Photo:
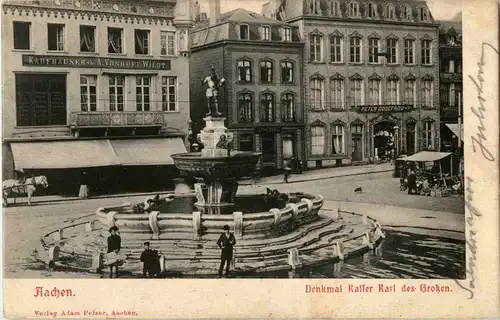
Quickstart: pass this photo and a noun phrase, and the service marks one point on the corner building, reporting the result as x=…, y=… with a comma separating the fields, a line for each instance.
x=262, y=99
x=371, y=77
x=96, y=86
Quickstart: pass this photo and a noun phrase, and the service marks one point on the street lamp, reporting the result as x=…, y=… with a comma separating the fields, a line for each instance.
x=396, y=133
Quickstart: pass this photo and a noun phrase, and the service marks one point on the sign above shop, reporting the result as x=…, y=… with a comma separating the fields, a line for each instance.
x=385, y=108
x=268, y=129
x=94, y=62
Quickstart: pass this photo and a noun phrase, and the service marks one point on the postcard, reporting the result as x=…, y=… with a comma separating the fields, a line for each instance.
x=250, y=159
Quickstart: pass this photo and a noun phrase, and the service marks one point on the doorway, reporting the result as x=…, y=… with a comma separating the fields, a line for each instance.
x=384, y=142
x=268, y=149
x=357, y=142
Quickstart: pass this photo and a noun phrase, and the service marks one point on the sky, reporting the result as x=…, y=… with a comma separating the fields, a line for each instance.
x=441, y=9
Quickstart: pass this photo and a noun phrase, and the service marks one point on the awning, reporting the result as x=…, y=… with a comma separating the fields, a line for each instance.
x=427, y=156
x=140, y=152
x=454, y=128
x=63, y=154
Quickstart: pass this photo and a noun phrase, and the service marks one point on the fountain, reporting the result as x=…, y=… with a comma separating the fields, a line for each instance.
x=274, y=231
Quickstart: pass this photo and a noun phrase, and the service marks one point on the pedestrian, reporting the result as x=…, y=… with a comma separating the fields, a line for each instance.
x=114, y=246
x=412, y=183
x=84, y=189
x=151, y=261
x=226, y=242
x=287, y=172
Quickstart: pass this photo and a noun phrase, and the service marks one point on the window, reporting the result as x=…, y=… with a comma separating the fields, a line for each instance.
x=337, y=93
x=372, y=10
x=317, y=92
x=424, y=14
x=288, y=146
x=315, y=6
x=427, y=98
x=287, y=72
x=246, y=142
x=451, y=95
x=169, y=93
x=88, y=93
x=338, y=141
x=266, y=71
x=317, y=140
x=167, y=42
x=116, y=90
x=245, y=108
x=393, y=91
x=287, y=34
x=357, y=92
x=115, y=40
x=288, y=107
x=267, y=108
x=392, y=51
x=428, y=135
x=245, y=71
x=22, y=35
x=426, y=52
x=373, y=50
x=409, y=51
x=40, y=99
x=265, y=33
x=244, y=32
x=355, y=49
x=334, y=8
x=451, y=40
x=55, y=33
x=389, y=11
x=336, y=48
x=142, y=93
x=451, y=66
x=411, y=137
x=87, y=39
x=353, y=9
x=374, y=92
x=409, y=97
x=406, y=13
x=141, y=41
x=316, y=42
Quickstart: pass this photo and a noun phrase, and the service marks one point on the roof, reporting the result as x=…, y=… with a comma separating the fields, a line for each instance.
x=447, y=26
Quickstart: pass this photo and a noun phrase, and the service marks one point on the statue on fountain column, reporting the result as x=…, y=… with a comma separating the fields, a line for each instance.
x=214, y=83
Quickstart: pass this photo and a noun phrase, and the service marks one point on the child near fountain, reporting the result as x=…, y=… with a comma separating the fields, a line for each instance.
x=226, y=242
x=151, y=263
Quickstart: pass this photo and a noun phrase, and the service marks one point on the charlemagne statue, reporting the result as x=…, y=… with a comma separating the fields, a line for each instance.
x=214, y=83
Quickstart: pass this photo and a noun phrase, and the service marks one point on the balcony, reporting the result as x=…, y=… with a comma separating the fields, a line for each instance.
x=451, y=77
x=117, y=119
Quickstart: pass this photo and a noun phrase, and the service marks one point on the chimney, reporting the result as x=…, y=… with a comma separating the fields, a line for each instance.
x=214, y=11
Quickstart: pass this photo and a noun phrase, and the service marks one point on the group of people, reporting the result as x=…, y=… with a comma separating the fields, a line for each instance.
x=151, y=258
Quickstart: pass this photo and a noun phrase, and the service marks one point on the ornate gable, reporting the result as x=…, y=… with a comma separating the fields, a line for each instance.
x=317, y=123
x=317, y=75
x=427, y=77
x=374, y=76
x=392, y=36
x=355, y=34
x=409, y=36
x=392, y=77
x=426, y=37
x=374, y=35
x=336, y=33
x=338, y=122
x=337, y=76
x=356, y=76
x=410, y=77
x=316, y=32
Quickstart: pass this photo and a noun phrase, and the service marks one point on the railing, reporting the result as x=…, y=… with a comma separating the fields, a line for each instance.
x=117, y=118
x=451, y=77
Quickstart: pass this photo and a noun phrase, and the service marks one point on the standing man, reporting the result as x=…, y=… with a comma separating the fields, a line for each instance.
x=226, y=242
x=288, y=171
x=114, y=246
x=150, y=260
x=412, y=183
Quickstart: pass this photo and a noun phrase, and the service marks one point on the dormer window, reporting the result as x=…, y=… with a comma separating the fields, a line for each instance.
x=389, y=12
x=353, y=9
x=371, y=10
x=424, y=14
x=265, y=33
x=287, y=34
x=335, y=8
x=451, y=40
x=244, y=32
x=406, y=13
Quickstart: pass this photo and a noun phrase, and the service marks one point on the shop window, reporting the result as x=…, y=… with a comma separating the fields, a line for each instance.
x=40, y=99
x=115, y=40
x=87, y=39
x=169, y=93
x=88, y=93
x=141, y=41
x=167, y=42
x=246, y=142
x=317, y=140
x=55, y=37
x=22, y=35
x=268, y=147
x=116, y=93
x=288, y=142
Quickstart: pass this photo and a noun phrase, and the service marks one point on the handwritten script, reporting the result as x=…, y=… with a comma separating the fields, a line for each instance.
x=480, y=138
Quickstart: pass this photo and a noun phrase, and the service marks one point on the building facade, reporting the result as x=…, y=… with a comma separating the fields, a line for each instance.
x=261, y=60
x=94, y=85
x=451, y=98
x=371, y=77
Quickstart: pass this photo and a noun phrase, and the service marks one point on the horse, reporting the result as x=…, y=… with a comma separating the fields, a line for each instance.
x=28, y=187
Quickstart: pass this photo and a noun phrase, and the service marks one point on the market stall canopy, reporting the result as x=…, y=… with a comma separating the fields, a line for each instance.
x=454, y=128
x=63, y=154
x=143, y=152
x=427, y=156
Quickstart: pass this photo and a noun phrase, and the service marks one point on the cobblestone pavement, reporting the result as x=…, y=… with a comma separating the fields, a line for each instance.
x=24, y=226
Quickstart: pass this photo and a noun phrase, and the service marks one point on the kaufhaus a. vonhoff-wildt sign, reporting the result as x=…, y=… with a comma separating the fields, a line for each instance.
x=95, y=62
x=384, y=108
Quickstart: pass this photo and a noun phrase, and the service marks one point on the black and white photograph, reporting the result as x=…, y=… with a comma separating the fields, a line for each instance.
x=233, y=139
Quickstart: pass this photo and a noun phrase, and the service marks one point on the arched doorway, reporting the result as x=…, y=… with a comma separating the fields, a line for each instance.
x=384, y=140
